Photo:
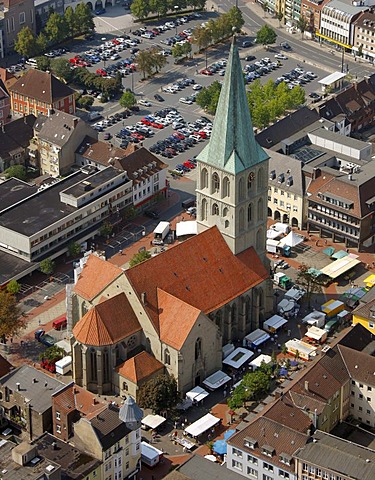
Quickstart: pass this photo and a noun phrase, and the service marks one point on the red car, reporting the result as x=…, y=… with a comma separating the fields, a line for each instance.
x=155, y=31
x=202, y=134
x=189, y=165
x=75, y=60
x=82, y=63
x=146, y=122
x=115, y=42
x=137, y=135
x=157, y=125
x=178, y=135
x=206, y=72
x=101, y=72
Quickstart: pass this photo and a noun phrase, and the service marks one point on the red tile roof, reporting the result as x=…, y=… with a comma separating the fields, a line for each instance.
x=195, y=271
x=107, y=323
x=73, y=397
x=96, y=275
x=287, y=413
x=140, y=367
x=171, y=308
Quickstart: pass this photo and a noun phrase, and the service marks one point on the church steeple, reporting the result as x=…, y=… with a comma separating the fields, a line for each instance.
x=232, y=146
x=232, y=181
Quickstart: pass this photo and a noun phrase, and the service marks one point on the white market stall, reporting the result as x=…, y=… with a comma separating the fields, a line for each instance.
x=186, y=228
x=238, y=357
x=153, y=421
x=228, y=349
x=255, y=338
x=257, y=362
x=150, y=455
x=295, y=293
x=305, y=351
x=315, y=318
x=340, y=267
x=282, y=228
x=272, y=234
x=64, y=365
x=317, y=334
x=216, y=380
x=197, y=394
x=274, y=323
x=202, y=425
x=292, y=239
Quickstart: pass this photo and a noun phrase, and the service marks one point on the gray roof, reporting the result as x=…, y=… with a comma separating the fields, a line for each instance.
x=342, y=139
x=130, y=412
x=13, y=191
x=58, y=128
x=290, y=167
x=12, y=266
x=345, y=7
x=340, y=456
x=35, y=386
x=197, y=468
x=232, y=146
x=108, y=426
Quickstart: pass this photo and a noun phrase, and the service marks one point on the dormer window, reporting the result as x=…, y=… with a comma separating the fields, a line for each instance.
x=372, y=312
x=250, y=442
x=285, y=458
x=272, y=174
x=268, y=450
x=289, y=181
x=281, y=178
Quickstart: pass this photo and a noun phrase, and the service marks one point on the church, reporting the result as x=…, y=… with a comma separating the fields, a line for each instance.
x=174, y=312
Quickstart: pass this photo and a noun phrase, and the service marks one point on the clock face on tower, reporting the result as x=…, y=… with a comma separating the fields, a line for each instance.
x=252, y=176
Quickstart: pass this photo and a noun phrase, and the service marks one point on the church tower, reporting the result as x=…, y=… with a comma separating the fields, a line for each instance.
x=233, y=170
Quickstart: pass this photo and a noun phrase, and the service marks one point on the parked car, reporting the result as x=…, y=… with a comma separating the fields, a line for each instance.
x=158, y=97
x=99, y=11
x=152, y=214
x=145, y=103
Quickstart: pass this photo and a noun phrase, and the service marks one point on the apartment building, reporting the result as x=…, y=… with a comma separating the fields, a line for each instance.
x=364, y=313
x=15, y=138
x=312, y=10
x=70, y=210
x=337, y=21
x=329, y=457
x=39, y=92
x=14, y=15
x=56, y=138
x=364, y=36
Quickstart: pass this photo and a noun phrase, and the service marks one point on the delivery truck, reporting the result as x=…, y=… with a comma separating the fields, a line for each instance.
x=64, y=365
x=160, y=233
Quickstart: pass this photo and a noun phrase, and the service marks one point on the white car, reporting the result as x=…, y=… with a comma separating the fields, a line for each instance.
x=197, y=87
x=185, y=100
x=145, y=103
x=115, y=56
x=281, y=56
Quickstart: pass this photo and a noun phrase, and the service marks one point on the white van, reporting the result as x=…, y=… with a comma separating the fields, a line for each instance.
x=32, y=62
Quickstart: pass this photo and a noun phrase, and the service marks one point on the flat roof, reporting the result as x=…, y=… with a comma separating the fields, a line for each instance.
x=95, y=180
x=340, y=139
x=339, y=267
x=12, y=267
x=13, y=191
x=333, y=77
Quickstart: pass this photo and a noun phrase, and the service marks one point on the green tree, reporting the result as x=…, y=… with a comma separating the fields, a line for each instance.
x=61, y=68
x=208, y=98
x=127, y=100
x=160, y=7
x=266, y=35
x=235, y=19
x=308, y=281
x=84, y=19
x=145, y=62
x=139, y=257
x=238, y=397
x=302, y=24
x=52, y=354
x=106, y=229
x=201, y=37
x=74, y=249
x=26, y=43
x=140, y=9
x=360, y=51
x=257, y=383
x=159, y=394
x=56, y=28
x=41, y=42
x=13, y=287
x=47, y=266
x=72, y=27
x=43, y=63
x=16, y=171
x=11, y=320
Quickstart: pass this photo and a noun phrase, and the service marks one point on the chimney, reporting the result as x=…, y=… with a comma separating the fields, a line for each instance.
x=94, y=401
x=350, y=177
x=18, y=385
x=75, y=122
x=54, y=445
x=144, y=298
x=35, y=380
x=306, y=385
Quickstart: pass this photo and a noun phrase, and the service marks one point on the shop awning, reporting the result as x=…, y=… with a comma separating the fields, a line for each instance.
x=339, y=267
x=274, y=323
x=153, y=421
x=202, y=425
x=216, y=380
x=197, y=394
x=329, y=251
x=257, y=362
x=339, y=254
x=257, y=337
x=186, y=228
x=238, y=357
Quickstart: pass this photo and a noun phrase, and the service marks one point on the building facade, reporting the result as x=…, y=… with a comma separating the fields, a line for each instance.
x=14, y=15
x=337, y=22
x=364, y=35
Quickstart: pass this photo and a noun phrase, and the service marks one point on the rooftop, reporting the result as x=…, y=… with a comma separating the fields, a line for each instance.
x=34, y=385
x=108, y=427
x=13, y=191
x=73, y=397
x=57, y=128
x=140, y=367
x=11, y=267
x=197, y=468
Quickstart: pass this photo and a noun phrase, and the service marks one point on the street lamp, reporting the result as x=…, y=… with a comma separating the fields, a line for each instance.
x=175, y=9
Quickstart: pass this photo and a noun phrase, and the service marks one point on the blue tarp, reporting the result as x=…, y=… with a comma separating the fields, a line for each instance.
x=329, y=251
x=283, y=372
x=340, y=254
x=220, y=446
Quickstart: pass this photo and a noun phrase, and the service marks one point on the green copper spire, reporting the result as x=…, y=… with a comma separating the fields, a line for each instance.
x=232, y=146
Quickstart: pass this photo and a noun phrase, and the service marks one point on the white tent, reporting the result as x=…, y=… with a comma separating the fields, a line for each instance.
x=197, y=394
x=238, y=357
x=257, y=362
x=281, y=227
x=317, y=334
x=274, y=323
x=292, y=239
x=202, y=425
x=186, y=228
x=256, y=338
x=216, y=380
x=153, y=421
x=272, y=234
x=286, y=306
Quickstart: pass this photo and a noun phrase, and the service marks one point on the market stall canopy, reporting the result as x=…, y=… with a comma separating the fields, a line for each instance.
x=274, y=323
x=216, y=380
x=238, y=357
x=228, y=349
x=202, y=425
x=305, y=350
x=295, y=293
x=153, y=421
x=317, y=334
x=329, y=251
x=339, y=254
x=369, y=281
x=186, y=228
x=339, y=267
x=272, y=234
x=292, y=239
x=286, y=306
x=256, y=338
x=197, y=394
x=257, y=362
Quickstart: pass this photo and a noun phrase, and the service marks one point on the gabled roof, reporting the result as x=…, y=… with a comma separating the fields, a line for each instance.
x=58, y=128
x=140, y=367
x=41, y=86
x=232, y=146
x=134, y=164
x=96, y=275
x=5, y=366
x=288, y=414
x=200, y=285
x=103, y=153
x=17, y=134
x=108, y=427
x=171, y=308
x=73, y=397
x=360, y=365
x=107, y=323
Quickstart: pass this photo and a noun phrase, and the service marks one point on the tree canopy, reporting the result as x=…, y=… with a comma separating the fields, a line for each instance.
x=139, y=257
x=254, y=386
x=150, y=61
x=159, y=393
x=16, y=171
x=308, y=281
x=11, y=320
x=47, y=266
x=13, y=287
x=127, y=100
x=266, y=35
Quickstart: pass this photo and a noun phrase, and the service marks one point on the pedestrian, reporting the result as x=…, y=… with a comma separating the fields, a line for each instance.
x=39, y=322
x=325, y=242
x=11, y=339
x=224, y=392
